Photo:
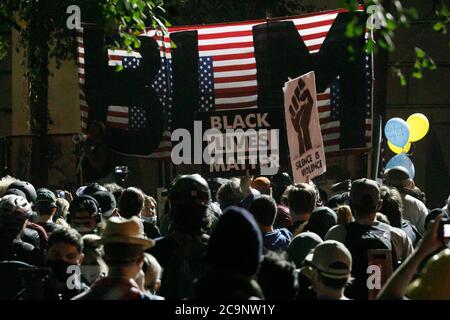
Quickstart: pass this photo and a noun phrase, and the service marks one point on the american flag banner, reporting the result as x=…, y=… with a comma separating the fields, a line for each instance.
x=123, y=58
x=127, y=118
x=228, y=73
x=227, y=63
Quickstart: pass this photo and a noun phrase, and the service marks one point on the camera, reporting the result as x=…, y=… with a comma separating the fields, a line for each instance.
x=121, y=170
x=444, y=231
x=121, y=173
x=79, y=138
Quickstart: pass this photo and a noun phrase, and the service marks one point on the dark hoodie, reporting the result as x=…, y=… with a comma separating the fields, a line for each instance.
x=321, y=220
x=234, y=256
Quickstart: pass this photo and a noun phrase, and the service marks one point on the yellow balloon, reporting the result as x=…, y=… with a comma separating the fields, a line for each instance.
x=398, y=150
x=418, y=126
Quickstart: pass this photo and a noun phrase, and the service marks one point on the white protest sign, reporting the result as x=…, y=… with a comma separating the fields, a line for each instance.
x=303, y=128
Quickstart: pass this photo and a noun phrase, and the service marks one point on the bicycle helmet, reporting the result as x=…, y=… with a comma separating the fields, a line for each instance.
x=12, y=205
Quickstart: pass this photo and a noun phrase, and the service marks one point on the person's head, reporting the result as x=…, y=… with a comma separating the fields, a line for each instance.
x=264, y=209
x=365, y=198
x=15, y=192
x=189, y=189
x=93, y=265
x=92, y=249
x=283, y=218
x=115, y=189
x=321, y=220
x=279, y=183
x=97, y=130
x=230, y=193
x=262, y=184
x=433, y=282
x=14, y=213
x=131, y=202
x=418, y=194
x=236, y=243
x=392, y=205
x=331, y=266
x=153, y=272
x=339, y=199
x=84, y=214
x=302, y=199
x=278, y=277
x=214, y=185
x=344, y=214
x=433, y=214
x=301, y=245
x=64, y=248
x=149, y=211
x=380, y=217
x=93, y=188
x=397, y=177
x=192, y=219
x=124, y=243
x=45, y=203
x=341, y=187
x=27, y=188
x=107, y=202
x=5, y=182
x=62, y=209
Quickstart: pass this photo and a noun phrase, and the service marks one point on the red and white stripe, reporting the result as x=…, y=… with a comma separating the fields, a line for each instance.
x=117, y=117
x=84, y=109
x=115, y=57
x=232, y=50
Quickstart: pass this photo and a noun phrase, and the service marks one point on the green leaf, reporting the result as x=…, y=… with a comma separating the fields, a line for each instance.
x=417, y=74
x=419, y=52
x=444, y=11
x=438, y=26
x=370, y=46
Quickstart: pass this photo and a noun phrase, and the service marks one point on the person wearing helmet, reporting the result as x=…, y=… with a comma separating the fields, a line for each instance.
x=185, y=246
x=14, y=213
x=433, y=282
x=33, y=233
x=27, y=188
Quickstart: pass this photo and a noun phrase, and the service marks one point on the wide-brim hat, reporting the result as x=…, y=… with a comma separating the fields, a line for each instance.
x=121, y=230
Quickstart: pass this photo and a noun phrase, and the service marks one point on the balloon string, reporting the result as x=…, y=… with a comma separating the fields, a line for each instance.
x=412, y=149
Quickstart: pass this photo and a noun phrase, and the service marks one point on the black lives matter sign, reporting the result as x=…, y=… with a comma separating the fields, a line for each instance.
x=241, y=140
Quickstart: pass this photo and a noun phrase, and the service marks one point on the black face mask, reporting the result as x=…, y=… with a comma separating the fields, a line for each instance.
x=59, y=269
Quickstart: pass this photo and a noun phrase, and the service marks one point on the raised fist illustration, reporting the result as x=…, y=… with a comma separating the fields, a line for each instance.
x=300, y=110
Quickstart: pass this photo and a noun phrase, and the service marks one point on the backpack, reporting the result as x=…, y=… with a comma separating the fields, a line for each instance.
x=359, y=240
x=186, y=264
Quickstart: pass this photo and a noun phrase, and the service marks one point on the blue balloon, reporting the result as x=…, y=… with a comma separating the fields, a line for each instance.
x=397, y=132
x=402, y=160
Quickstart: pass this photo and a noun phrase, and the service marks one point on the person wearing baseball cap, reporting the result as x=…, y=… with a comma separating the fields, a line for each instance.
x=262, y=184
x=46, y=208
x=329, y=268
x=366, y=233
x=106, y=201
x=124, y=243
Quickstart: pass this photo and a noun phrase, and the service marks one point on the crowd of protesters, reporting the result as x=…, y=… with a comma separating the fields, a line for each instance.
x=239, y=238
